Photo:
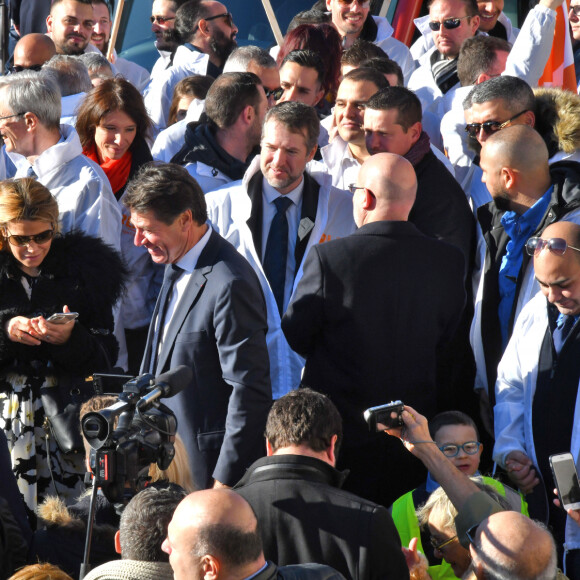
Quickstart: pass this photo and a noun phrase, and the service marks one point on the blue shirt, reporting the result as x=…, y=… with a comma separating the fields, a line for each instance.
x=519, y=228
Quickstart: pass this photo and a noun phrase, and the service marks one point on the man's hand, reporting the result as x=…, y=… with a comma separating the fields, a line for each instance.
x=416, y=562
x=521, y=472
x=415, y=433
x=574, y=514
x=552, y=4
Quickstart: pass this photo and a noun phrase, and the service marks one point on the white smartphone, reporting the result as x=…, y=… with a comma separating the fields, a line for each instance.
x=566, y=479
x=63, y=317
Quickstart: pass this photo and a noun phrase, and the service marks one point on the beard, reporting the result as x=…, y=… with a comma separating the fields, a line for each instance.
x=222, y=45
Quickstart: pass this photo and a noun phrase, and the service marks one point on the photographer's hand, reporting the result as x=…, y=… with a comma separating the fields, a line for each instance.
x=574, y=514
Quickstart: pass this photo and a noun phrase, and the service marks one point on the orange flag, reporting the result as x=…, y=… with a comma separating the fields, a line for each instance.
x=559, y=71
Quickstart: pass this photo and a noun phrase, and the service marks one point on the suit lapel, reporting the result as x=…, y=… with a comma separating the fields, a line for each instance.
x=255, y=220
x=307, y=217
x=150, y=334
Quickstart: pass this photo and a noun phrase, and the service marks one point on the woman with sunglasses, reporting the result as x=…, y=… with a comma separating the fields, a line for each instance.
x=42, y=274
x=113, y=126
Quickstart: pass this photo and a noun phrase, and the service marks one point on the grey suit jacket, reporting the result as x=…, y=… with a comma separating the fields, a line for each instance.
x=219, y=331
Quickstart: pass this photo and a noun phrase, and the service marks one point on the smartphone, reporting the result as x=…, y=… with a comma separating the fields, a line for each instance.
x=566, y=479
x=63, y=317
x=379, y=418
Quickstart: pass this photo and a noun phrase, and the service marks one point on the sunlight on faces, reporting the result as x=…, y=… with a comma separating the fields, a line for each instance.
x=458, y=435
x=491, y=175
x=349, y=109
x=453, y=553
x=489, y=11
x=102, y=27
x=348, y=19
x=114, y=135
x=32, y=254
x=163, y=9
x=448, y=42
x=574, y=21
x=283, y=156
x=384, y=135
x=300, y=84
x=494, y=110
x=12, y=129
x=71, y=26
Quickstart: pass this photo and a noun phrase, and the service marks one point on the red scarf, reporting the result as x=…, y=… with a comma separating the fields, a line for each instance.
x=117, y=170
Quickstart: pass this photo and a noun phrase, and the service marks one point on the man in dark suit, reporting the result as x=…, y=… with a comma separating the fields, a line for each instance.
x=295, y=493
x=211, y=317
x=369, y=315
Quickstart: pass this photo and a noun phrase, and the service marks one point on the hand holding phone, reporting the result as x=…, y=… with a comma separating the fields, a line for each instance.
x=62, y=317
x=566, y=479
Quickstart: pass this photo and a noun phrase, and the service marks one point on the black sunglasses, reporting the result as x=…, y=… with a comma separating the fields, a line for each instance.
x=16, y=68
x=227, y=15
x=557, y=246
x=276, y=93
x=41, y=238
x=489, y=127
x=448, y=23
x=161, y=19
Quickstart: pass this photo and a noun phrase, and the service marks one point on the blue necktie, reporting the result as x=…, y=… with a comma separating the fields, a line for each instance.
x=172, y=273
x=564, y=326
x=276, y=253
x=31, y=173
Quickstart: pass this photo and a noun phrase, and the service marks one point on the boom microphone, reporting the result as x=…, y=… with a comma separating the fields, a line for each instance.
x=167, y=385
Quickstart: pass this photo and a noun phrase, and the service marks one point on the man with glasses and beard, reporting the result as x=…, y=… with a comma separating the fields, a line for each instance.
x=528, y=195
x=538, y=381
x=206, y=34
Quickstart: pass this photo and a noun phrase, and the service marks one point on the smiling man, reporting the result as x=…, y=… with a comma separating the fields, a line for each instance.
x=70, y=25
x=211, y=317
x=528, y=399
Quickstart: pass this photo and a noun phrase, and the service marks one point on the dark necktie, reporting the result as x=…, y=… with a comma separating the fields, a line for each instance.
x=172, y=273
x=562, y=331
x=276, y=253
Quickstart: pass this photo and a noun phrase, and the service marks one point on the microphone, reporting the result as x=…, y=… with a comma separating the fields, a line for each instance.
x=167, y=385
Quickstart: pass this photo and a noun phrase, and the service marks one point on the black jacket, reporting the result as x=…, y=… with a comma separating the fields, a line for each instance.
x=565, y=198
x=305, y=517
x=306, y=572
x=72, y=273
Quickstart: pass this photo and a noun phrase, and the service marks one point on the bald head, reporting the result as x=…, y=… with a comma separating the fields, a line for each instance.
x=33, y=50
x=509, y=544
x=390, y=186
x=216, y=529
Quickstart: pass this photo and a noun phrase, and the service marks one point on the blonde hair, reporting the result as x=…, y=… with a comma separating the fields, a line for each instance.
x=178, y=470
x=25, y=199
x=40, y=572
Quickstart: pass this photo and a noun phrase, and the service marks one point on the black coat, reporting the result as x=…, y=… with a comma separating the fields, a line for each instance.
x=81, y=272
x=305, y=517
x=369, y=315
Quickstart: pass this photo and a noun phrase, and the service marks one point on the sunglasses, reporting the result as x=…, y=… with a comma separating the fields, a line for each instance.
x=448, y=23
x=161, y=19
x=276, y=93
x=16, y=68
x=363, y=4
x=576, y=10
x=440, y=545
x=557, y=246
x=41, y=238
x=227, y=15
x=452, y=450
x=489, y=127
x=353, y=187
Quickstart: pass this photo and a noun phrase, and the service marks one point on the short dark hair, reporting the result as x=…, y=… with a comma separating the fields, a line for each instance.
x=360, y=51
x=296, y=117
x=116, y=94
x=167, y=190
x=311, y=16
x=367, y=74
x=478, y=55
x=144, y=522
x=57, y=2
x=304, y=417
x=306, y=58
x=515, y=92
x=471, y=8
x=230, y=544
x=104, y=3
x=451, y=418
x=385, y=66
x=187, y=18
x=403, y=100
x=229, y=95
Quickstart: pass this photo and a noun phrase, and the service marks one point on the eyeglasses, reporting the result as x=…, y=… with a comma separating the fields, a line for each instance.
x=576, y=10
x=10, y=116
x=557, y=246
x=16, y=68
x=440, y=546
x=227, y=15
x=363, y=3
x=161, y=19
x=41, y=238
x=448, y=23
x=276, y=93
x=489, y=127
x=452, y=450
x=353, y=187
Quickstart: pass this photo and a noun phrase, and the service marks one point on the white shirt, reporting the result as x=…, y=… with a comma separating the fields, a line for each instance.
x=269, y=195
x=187, y=263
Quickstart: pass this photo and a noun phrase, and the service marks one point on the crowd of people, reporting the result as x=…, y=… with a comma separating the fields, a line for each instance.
x=311, y=231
